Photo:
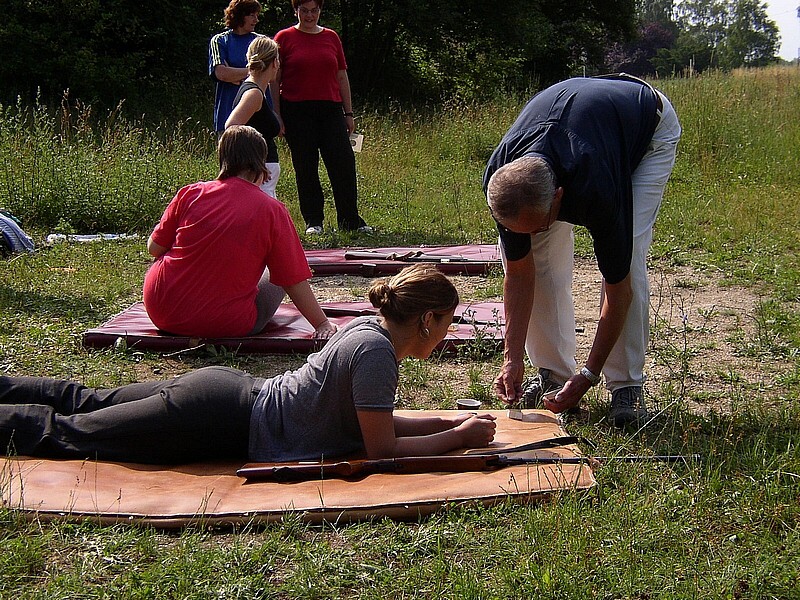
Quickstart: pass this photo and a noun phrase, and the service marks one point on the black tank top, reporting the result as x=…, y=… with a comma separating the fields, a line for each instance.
x=264, y=120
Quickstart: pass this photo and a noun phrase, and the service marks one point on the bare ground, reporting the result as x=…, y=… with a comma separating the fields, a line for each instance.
x=705, y=338
x=707, y=344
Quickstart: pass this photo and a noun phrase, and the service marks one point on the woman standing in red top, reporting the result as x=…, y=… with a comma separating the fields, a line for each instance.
x=312, y=96
x=226, y=252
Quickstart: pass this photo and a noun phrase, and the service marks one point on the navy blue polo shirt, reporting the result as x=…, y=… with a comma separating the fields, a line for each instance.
x=593, y=132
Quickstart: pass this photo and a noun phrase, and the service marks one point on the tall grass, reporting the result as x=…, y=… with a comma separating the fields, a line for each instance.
x=732, y=196
x=75, y=172
x=739, y=127
x=421, y=170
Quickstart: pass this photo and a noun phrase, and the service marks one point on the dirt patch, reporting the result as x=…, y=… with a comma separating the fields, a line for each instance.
x=705, y=343
x=704, y=336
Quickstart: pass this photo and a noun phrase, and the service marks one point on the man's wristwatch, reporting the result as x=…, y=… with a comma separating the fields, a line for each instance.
x=593, y=379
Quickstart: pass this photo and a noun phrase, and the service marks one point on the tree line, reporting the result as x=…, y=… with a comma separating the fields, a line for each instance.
x=695, y=35
x=104, y=51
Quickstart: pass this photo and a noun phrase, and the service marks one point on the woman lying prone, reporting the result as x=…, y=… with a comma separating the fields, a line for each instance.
x=339, y=402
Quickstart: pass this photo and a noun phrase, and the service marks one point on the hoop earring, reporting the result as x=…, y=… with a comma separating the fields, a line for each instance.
x=425, y=333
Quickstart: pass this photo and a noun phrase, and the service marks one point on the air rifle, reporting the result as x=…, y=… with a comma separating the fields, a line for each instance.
x=458, y=318
x=347, y=469
x=411, y=256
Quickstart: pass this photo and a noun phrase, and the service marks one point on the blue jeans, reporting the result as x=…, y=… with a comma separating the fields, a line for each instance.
x=202, y=415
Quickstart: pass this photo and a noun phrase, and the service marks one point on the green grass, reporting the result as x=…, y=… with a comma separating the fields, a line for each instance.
x=732, y=197
x=726, y=528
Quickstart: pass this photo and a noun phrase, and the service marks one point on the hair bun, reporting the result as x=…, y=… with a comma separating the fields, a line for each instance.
x=386, y=291
x=380, y=294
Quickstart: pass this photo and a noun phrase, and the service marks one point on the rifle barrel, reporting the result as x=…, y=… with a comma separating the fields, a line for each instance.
x=403, y=465
x=430, y=464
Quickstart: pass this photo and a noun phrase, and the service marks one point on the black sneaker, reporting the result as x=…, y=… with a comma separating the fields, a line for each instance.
x=627, y=406
x=534, y=389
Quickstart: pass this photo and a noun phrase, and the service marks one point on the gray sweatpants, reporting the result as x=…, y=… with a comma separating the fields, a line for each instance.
x=202, y=415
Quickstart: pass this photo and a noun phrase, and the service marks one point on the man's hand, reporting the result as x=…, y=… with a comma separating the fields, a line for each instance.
x=518, y=285
x=569, y=395
x=508, y=384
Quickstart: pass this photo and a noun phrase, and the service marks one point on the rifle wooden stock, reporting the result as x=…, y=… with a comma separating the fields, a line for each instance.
x=303, y=471
x=298, y=471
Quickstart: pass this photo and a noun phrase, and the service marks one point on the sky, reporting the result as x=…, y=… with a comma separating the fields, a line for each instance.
x=784, y=13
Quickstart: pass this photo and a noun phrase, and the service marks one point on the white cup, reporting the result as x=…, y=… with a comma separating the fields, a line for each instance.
x=356, y=140
x=468, y=404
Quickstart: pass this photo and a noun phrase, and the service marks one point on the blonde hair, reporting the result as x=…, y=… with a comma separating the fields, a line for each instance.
x=412, y=292
x=261, y=53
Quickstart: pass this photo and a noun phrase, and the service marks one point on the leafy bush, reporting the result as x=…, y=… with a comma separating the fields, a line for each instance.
x=152, y=56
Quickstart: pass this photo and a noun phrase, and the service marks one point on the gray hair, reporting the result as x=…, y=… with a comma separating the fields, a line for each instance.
x=526, y=182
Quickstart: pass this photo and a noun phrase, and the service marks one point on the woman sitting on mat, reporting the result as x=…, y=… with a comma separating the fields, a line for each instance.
x=226, y=253
x=339, y=402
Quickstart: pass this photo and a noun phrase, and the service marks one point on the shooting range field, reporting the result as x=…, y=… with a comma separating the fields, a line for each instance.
x=723, y=368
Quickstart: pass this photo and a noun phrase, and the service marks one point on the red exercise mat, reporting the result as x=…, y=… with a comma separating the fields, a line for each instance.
x=287, y=332
x=475, y=259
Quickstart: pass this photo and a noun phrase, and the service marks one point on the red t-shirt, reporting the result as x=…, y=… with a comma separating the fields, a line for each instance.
x=310, y=63
x=221, y=235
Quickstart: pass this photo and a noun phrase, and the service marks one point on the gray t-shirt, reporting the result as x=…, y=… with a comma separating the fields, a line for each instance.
x=310, y=413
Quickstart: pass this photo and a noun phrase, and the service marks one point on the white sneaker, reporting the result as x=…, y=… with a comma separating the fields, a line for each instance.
x=314, y=230
x=365, y=229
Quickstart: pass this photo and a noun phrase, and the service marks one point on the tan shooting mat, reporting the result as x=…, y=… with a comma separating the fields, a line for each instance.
x=211, y=493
